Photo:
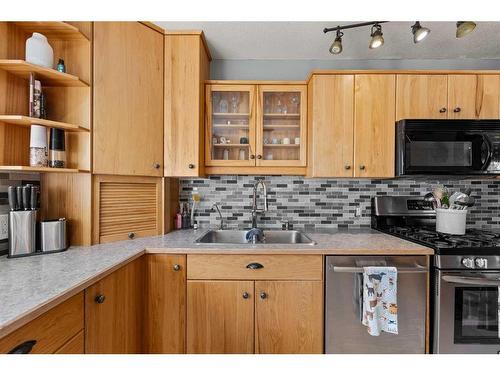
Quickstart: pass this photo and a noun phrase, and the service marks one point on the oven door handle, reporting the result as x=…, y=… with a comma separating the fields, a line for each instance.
x=416, y=269
x=467, y=280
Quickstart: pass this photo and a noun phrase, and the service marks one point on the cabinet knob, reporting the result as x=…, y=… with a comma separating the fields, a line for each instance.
x=456, y=110
x=156, y=166
x=246, y=295
x=263, y=295
x=177, y=267
x=362, y=167
x=254, y=266
x=131, y=235
x=100, y=298
x=252, y=156
x=347, y=167
x=259, y=156
x=23, y=348
x=191, y=166
x=442, y=110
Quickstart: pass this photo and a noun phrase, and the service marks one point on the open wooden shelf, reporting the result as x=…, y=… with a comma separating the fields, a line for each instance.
x=53, y=30
x=21, y=120
x=24, y=168
x=49, y=77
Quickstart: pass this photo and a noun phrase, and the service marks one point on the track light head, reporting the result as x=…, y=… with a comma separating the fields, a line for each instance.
x=419, y=32
x=377, y=38
x=464, y=28
x=336, y=47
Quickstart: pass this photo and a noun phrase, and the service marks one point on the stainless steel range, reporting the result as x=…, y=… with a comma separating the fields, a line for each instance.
x=466, y=275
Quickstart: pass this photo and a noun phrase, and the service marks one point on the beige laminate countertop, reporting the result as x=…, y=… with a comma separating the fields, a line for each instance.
x=31, y=286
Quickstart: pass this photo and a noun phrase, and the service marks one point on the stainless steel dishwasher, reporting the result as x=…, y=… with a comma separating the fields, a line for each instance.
x=344, y=332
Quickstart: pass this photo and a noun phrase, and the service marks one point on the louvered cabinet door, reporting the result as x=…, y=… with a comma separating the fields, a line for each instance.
x=126, y=207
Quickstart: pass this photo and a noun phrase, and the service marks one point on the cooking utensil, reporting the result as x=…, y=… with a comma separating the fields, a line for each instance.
x=26, y=191
x=34, y=197
x=429, y=197
x=19, y=197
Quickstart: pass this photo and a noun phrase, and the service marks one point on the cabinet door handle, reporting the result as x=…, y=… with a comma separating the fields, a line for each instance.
x=362, y=167
x=191, y=166
x=263, y=295
x=456, y=110
x=442, y=110
x=156, y=166
x=131, y=235
x=177, y=267
x=347, y=167
x=252, y=156
x=100, y=298
x=246, y=295
x=254, y=266
x=259, y=156
x=24, y=348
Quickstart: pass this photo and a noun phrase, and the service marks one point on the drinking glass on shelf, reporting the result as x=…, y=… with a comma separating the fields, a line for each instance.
x=294, y=100
x=279, y=103
x=268, y=104
x=235, y=102
x=223, y=106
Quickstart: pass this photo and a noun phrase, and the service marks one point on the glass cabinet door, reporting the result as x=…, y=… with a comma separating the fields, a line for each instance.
x=230, y=125
x=281, y=128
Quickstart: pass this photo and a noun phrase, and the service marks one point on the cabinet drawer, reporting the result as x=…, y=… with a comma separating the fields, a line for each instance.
x=74, y=346
x=126, y=207
x=50, y=330
x=255, y=267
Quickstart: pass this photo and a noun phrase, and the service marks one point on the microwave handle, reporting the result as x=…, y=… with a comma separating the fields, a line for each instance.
x=489, y=151
x=467, y=280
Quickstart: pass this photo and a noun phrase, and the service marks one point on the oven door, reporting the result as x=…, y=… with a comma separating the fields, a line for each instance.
x=467, y=312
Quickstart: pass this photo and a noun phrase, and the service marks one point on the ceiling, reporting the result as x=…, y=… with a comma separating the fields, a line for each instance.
x=306, y=41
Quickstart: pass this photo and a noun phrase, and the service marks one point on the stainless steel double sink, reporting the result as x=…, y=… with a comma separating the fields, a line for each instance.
x=270, y=237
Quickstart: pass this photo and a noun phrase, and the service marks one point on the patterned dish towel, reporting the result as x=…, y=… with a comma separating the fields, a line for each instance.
x=380, y=308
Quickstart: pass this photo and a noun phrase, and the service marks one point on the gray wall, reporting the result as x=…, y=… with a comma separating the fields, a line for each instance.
x=299, y=69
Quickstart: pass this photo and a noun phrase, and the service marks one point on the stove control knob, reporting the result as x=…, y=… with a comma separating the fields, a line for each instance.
x=468, y=262
x=481, y=262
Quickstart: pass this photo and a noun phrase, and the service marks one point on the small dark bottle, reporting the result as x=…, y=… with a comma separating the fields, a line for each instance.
x=57, y=149
x=61, y=67
x=186, y=220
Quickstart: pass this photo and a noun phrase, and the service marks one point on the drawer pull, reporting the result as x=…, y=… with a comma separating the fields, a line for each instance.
x=456, y=110
x=246, y=295
x=263, y=295
x=24, y=348
x=100, y=298
x=255, y=266
x=442, y=110
x=177, y=267
x=131, y=235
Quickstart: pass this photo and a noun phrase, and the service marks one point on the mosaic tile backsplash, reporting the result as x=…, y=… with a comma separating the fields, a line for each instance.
x=325, y=203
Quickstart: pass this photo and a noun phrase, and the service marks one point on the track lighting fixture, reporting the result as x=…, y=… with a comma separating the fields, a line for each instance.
x=336, y=46
x=377, y=39
x=464, y=28
x=419, y=32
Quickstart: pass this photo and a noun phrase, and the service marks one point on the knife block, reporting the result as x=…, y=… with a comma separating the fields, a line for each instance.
x=22, y=233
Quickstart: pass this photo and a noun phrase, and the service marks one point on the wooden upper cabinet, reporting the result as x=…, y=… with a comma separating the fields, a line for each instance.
x=374, y=125
x=230, y=125
x=289, y=317
x=113, y=312
x=473, y=96
x=128, y=99
x=330, y=126
x=421, y=96
x=281, y=126
x=220, y=317
x=187, y=66
x=165, y=320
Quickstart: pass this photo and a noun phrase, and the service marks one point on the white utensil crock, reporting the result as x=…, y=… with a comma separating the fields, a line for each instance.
x=451, y=221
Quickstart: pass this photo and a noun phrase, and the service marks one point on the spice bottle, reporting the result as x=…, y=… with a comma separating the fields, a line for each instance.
x=57, y=149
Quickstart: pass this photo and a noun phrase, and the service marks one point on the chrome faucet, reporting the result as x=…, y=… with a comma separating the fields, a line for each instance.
x=215, y=207
x=256, y=210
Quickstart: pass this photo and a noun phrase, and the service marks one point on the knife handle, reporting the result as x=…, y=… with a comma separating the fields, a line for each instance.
x=12, y=198
x=26, y=197
x=19, y=197
x=35, y=193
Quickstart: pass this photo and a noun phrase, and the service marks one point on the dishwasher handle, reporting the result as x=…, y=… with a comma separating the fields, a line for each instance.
x=416, y=269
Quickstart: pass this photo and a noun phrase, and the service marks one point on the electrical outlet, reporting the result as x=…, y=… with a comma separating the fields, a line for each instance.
x=4, y=225
x=358, y=212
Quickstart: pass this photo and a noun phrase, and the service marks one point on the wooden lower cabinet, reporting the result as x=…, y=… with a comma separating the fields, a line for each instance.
x=114, y=312
x=289, y=317
x=220, y=317
x=76, y=345
x=48, y=333
x=165, y=308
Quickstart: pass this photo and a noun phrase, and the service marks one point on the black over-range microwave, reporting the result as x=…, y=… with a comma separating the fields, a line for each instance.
x=450, y=147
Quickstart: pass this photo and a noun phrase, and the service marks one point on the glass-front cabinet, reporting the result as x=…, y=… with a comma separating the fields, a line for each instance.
x=256, y=125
